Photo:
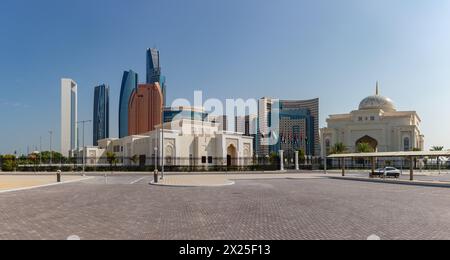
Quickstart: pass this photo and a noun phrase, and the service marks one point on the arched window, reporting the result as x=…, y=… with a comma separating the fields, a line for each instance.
x=406, y=144
x=327, y=145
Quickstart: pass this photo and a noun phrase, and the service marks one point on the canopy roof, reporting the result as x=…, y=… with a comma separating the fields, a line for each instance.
x=391, y=154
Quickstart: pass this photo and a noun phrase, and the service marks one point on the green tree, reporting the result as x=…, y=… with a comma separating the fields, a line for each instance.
x=9, y=163
x=364, y=148
x=274, y=158
x=301, y=155
x=437, y=149
x=134, y=159
x=111, y=158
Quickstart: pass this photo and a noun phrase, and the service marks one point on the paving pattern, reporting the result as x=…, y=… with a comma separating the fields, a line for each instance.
x=130, y=208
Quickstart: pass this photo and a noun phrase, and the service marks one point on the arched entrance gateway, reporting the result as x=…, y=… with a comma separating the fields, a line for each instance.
x=231, y=156
x=368, y=140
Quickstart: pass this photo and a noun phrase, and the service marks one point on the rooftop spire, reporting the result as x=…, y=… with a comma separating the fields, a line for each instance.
x=377, y=90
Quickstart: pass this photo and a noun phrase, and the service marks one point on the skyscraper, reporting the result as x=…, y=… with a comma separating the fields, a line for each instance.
x=154, y=71
x=129, y=84
x=101, y=113
x=153, y=66
x=298, y=127
x=145, y=109
x=69, y=116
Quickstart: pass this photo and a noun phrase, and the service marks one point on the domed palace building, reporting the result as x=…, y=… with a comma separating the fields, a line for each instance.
x=377, y=123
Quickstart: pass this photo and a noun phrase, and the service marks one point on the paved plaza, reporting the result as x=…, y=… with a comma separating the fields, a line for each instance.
x=127, y=207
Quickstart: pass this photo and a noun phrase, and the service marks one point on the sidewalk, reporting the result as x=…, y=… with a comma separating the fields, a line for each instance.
x=225, y=180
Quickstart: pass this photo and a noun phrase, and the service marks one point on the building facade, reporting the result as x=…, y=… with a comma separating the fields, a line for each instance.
x=377, y=123
x=298, y=127
x=101, y=113
x=191, y=113
x=186, y=143
x=145, y=109
x=69, y=116
x=129, y=84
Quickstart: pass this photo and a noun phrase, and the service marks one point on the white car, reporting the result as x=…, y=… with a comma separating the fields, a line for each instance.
x=387, y=172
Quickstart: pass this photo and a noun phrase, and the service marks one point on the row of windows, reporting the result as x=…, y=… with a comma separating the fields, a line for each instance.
x=372, y=118
x=210, y=159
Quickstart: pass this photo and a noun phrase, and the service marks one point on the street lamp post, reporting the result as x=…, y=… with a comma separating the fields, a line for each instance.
x=51, y=150
x=84, y=147
x=40, y=151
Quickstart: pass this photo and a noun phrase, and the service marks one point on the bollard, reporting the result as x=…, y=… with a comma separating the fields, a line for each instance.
x=155, y=176
x=58, y=176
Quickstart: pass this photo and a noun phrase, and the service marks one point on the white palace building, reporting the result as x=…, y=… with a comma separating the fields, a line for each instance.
x=376, y=122
x=186, y=143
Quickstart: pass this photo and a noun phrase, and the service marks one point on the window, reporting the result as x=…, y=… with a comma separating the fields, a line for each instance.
x=406, y=144
x=372, y=118
x=210, y=160
x=360, y=119
x=204, y=159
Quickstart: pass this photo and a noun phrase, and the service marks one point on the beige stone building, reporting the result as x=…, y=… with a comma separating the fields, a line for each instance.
x=186, y=143
x=376, y=122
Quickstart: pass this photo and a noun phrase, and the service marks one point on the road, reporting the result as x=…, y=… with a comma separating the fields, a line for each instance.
x=129, y=208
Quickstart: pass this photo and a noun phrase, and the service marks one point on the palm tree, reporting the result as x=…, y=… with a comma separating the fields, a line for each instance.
x=339, y=148
x=364, y=148
x=112, y=159
x=438, y=149
x=134, y=159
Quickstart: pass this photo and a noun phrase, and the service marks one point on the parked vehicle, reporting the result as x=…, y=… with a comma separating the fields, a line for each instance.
x=387, y=172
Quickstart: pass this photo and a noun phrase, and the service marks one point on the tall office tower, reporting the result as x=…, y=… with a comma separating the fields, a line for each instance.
x=298, y=127
x=300, y=116
x=145, y=109
x=154, y=71
x=163, y=89
x=129, y=84
x=101, y=113
x=153, y=66
x=69, y=116
x=246, y=125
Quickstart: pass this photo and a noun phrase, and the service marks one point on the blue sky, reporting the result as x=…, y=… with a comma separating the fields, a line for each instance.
x=293, y=49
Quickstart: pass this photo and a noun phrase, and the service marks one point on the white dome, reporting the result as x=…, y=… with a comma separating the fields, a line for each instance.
x=377, y=102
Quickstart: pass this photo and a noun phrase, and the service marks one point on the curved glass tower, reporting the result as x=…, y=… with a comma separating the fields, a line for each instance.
x=129, y=83
x=153, y=66
x=101, y=113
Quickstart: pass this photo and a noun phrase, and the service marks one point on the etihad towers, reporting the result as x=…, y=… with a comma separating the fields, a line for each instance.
x=129, y=84
x=154, y=71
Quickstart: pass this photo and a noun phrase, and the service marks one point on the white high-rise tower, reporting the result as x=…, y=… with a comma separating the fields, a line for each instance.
x=69, y=116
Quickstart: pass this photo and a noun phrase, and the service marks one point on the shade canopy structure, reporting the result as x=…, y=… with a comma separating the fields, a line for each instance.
x=374, y=156
x=391, y=154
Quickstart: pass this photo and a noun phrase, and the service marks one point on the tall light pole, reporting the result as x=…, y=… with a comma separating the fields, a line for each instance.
x=40, y=150
x=162, y=142
x=84, y=147
x=51, y=150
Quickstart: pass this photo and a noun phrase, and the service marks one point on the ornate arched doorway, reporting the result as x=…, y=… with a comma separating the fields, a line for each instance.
x=231, y=156
x=368, y=140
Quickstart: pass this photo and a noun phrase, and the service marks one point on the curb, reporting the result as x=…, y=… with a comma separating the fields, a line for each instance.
x=230, y=183
x=398, y=182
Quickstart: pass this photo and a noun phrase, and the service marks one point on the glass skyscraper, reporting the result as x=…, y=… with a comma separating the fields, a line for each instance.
x=129, y=84
x=153, y=66
x=101, y=113
x=154, y=71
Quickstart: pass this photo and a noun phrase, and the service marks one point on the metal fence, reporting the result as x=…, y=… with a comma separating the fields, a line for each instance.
x=141, y=163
